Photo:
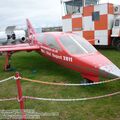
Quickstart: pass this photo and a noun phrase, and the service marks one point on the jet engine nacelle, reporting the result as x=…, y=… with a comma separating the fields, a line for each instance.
x=3, y=38
x=19, y=35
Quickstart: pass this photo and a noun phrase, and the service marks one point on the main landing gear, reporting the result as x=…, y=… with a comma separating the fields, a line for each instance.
x=7, y=66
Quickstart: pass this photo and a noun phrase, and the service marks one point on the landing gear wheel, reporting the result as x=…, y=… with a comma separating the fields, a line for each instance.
x=8, y=67
x=87, y=81
x=115, y=42
x=118, y=46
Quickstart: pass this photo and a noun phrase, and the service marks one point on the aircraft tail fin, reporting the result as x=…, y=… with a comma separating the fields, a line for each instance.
x=31, y=33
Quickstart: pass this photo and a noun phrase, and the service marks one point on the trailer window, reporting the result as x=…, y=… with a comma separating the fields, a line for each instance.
x=76, y=45
x=95, y=16
x=117, y=22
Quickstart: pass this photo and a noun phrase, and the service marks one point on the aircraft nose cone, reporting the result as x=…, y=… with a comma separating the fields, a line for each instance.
x=110, y=70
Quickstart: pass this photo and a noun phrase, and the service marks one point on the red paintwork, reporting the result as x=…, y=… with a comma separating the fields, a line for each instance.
x=87, y=64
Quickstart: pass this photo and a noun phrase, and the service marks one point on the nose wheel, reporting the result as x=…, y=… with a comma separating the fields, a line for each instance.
x=86, y=81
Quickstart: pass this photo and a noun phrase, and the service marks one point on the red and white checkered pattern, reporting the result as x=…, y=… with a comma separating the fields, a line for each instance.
x=99, y=31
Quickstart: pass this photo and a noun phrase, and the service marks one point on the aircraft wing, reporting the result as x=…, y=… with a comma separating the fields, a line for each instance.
x=19, y=47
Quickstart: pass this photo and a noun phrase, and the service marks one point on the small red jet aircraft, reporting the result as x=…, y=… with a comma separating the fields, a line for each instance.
x=68, y=50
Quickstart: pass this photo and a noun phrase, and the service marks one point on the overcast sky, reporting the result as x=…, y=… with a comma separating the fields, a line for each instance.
x=40, y=12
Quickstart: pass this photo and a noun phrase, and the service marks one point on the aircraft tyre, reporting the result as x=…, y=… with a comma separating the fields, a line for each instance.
x=87, y=81
x=118, y=46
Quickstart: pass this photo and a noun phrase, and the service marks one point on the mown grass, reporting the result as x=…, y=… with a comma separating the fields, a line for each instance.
x=32, y=65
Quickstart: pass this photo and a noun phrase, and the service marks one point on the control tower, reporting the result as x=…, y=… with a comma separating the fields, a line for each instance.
x=96, y=21
x=73, y=6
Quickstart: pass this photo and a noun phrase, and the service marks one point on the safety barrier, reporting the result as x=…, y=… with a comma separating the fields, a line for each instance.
x=4, y=80
x=8, y=99
x=21, y=98
x=63, y=84
x=71, y=100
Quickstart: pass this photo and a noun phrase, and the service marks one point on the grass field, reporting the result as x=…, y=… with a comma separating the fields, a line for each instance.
x=32, y=65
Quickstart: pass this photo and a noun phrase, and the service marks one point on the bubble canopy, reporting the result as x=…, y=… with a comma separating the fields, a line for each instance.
x=76, y=45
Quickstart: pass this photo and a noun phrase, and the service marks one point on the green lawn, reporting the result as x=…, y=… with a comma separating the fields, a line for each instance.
x=32, y=65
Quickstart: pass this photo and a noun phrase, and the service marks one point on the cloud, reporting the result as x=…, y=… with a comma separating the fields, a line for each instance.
x=40, y=12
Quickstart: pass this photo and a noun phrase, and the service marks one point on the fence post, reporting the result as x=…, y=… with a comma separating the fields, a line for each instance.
x=21, y=100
